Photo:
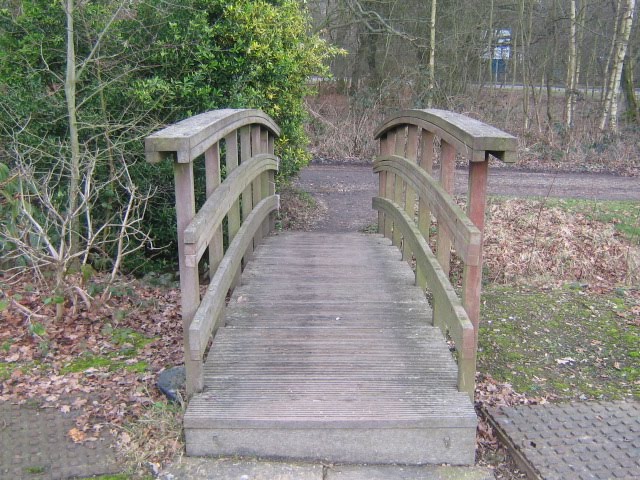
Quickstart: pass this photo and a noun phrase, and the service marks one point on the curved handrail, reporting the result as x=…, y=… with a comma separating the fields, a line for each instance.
x=452, y=316
x=470, y=136
x=201, y=229
x=205, y=318
x=246, y=138
x=193, y=136
x=407, y=154
x=466, y=236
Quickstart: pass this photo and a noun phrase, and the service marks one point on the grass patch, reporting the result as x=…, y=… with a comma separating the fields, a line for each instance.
x=108, y=362
x=129, y=342
x=35, y=470
x=563, y=343
x=623, y=215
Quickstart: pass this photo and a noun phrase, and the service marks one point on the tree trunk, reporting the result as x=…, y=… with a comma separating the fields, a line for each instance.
x=73, y=219
x=609, y=117
x=570, y=83
x=629, y=91
x=432, y=54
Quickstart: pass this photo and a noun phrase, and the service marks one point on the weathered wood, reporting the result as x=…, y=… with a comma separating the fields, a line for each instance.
x=398, y=189
x=233, y=215
x=320, y=363
x=447, y=181
x=191, y=137
x=466, y=237
x=256, y=185
x=471, y=137
x=391, y=182
x=424, y=212
x=454, y=319
x=212, y=172
x=189, y=281
x=382, y=185
x=201, y=229
x=476, y=204
x=206, y=318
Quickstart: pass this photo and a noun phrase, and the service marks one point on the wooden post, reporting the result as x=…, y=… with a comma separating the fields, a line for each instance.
x=398, y=189
x=189, y=282
x=256, y=185
x=443, y=246
x=264, y=179
x=391, y=183
x=410, y=195
x=424, y=214
x=247, y=195
x=212, y=172
x=382, y=183
x=233, y=217
x=476, y=205
x=271, y=177
x=447, y=180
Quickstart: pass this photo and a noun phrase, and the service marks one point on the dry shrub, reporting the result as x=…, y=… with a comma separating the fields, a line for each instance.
x=529, y=242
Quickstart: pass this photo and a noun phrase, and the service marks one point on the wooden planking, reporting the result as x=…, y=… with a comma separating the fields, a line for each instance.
x=321, y=338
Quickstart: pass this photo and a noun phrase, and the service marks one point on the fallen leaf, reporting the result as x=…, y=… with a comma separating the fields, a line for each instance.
x=76, y=435
x=65, y=409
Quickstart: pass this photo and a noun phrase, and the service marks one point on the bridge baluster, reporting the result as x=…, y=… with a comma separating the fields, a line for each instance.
x=250, y=170
x=405, y=170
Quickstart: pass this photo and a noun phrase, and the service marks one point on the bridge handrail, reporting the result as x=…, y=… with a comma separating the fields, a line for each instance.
x=246, y=197
x=405, y=166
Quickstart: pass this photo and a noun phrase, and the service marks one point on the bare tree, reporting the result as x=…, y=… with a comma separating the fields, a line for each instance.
x=609, y=118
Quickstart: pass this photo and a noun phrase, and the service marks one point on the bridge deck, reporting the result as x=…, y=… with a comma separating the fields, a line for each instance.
x=328, y=353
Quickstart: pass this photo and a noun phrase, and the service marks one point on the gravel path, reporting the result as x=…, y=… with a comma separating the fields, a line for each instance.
x=346, y=190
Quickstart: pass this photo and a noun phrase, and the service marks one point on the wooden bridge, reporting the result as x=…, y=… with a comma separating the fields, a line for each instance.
x=348, y=348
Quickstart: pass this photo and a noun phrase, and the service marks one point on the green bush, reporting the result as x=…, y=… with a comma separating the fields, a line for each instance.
x=158, y=62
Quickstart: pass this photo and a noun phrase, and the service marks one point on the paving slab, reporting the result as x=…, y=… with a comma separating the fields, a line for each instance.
x=34, y=444
x=585, y=440
x=393, y=472
x=188, y=468
x=240, y=469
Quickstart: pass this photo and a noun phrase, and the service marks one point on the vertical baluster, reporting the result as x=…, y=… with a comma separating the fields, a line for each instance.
x=410, y=194
x=212, y=173
x=233, y=216
x=382, y=184
x=391, y=184
x=447, y=172
x=472, y=276
x=398, y=189
x=189, y=282
x=264, y=178
x=247, y=195
x=447, y=179
x=256, y=185
x=271, y=177
x=424, y=213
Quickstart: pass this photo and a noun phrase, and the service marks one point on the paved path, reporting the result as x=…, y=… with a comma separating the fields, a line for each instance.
x=346, y=190
x=34, y=443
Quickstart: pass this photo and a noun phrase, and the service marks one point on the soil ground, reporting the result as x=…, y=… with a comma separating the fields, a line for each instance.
x=346, y=189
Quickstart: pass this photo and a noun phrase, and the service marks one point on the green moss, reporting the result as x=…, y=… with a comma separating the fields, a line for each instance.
x=108, y=362
x=562, y=342
x=36, y=470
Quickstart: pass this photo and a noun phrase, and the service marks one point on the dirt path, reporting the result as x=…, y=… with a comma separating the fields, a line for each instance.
x=346, y=190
